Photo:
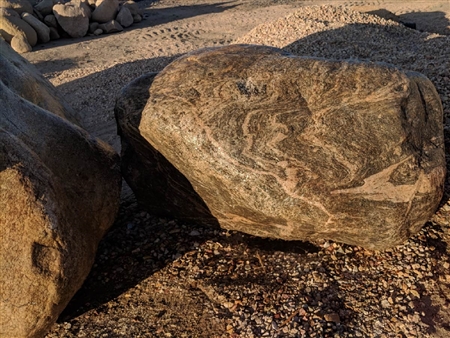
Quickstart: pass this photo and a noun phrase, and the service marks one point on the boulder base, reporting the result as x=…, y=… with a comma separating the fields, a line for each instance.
x=297, y=148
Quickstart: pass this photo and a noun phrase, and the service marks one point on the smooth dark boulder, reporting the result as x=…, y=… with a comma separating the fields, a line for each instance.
x=157, y=184
x=298, y=148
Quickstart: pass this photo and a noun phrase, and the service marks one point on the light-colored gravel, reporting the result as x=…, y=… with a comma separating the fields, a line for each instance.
x=341, y=33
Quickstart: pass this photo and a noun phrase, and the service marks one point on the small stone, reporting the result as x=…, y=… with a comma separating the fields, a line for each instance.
x=93, y=26
x=50, y=21
x=274, y=325
x=332, y=317
x=414, y=293
x=105, y=10
x=20, y=44
x=137, y=18
x=111, y=27
x=124, y=17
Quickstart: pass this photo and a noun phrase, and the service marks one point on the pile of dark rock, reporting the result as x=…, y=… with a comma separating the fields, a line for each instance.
x=23, y=24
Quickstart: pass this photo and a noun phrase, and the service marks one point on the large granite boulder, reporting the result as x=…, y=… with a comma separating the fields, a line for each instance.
x=11, y=25
x=59, y=193
x=25, y=80
x=73, y=17
x=20, y=44
x=124, y=17
x=42, y=30
x=293, y=148
x=105, y=10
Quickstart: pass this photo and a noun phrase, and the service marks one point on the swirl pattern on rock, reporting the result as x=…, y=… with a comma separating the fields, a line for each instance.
x=301, y=148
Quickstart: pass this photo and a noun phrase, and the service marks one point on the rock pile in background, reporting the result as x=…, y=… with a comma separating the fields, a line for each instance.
x=24, y=25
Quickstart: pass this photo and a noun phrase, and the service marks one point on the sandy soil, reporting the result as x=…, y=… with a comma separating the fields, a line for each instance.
x=90, y=72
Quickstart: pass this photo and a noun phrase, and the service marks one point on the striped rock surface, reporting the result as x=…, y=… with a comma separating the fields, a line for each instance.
x=300, y=148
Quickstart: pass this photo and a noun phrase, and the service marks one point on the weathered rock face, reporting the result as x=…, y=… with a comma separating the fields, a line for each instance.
x=73, y=18
x=297, y=148
x=26, y=81
x=59, y=193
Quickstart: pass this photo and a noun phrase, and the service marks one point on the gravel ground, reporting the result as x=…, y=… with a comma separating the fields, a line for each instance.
x=163, y=278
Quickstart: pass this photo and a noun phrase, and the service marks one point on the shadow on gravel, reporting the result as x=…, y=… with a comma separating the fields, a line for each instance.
x=271, y=245
x=433, y=22
x=159, y=16
x=56, y=65
x=139, y=245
